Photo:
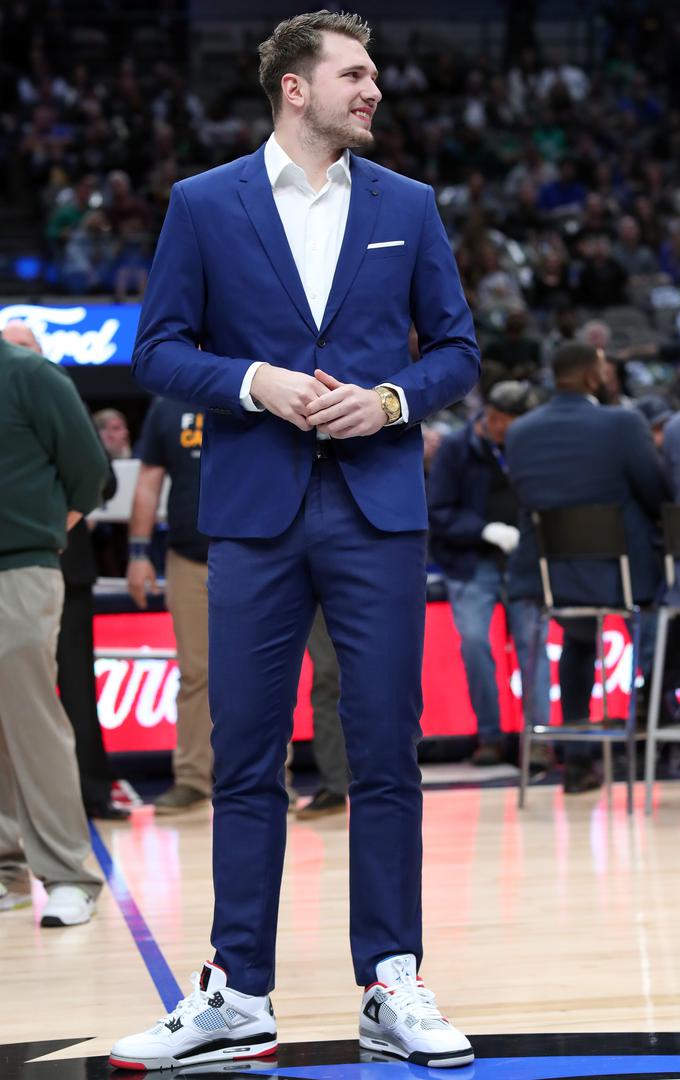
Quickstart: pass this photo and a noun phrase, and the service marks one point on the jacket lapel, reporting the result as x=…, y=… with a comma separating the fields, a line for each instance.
x=256, y=195
x=364, y=204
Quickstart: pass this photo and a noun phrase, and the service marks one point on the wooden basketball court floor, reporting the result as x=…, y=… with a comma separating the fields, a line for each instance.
x=552, y=938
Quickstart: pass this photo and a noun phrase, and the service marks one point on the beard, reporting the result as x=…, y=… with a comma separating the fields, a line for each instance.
x=334, y=131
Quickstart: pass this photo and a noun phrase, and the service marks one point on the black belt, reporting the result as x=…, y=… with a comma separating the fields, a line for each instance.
x=324, y=450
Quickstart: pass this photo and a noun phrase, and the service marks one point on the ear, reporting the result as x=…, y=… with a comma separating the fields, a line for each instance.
x=294, y=90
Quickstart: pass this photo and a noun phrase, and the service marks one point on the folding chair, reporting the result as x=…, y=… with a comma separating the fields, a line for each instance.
x=574, y=534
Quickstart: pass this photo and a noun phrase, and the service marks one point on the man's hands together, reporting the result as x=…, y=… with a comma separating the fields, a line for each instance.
x=341, y=410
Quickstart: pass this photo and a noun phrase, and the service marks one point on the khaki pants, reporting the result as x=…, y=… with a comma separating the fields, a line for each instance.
x=42, y=821
x=187, y=600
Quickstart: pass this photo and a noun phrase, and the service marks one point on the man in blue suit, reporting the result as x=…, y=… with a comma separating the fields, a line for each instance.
x=573, y=451
x=297, y=272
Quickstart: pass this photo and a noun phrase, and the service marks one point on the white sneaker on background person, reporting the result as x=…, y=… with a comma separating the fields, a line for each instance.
x=10, y=901
x=67, y=905
x=214, y=1023
x=399, y=1017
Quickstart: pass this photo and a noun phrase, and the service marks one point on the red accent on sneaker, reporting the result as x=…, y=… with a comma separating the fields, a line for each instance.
x=210, y=964
x=371, y=985
x=264, y=1054
x=127, y=1064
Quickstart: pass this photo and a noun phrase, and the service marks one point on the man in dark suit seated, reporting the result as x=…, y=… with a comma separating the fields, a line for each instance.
x=572, y=451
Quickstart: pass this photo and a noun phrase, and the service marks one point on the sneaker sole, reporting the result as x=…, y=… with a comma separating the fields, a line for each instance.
x=51, y=921
x=232, y=1053
x=445, y=1060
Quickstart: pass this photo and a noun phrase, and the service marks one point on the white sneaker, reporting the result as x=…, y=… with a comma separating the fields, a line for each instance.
x=9, y=900
x=214, y=1023
x=67, y=905
x=399, y=1017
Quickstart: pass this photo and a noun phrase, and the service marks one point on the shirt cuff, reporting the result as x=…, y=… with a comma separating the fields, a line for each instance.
x=244, y=396
x=403, y=419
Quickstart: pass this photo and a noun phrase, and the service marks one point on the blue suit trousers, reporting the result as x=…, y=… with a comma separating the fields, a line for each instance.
x=263, y=596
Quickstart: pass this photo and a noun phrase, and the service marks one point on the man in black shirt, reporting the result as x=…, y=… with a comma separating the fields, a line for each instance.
x=171, y=444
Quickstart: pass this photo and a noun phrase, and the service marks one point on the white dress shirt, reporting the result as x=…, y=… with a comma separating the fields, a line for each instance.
x=314, y=223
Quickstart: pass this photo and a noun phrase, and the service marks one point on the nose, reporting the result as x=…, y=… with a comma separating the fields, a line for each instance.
x=372, y=94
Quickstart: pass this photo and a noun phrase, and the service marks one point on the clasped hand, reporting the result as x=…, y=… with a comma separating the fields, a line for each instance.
x=341, y=410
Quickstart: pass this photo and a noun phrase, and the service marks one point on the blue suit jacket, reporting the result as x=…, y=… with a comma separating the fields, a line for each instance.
x=572, y=451
x=224, y=279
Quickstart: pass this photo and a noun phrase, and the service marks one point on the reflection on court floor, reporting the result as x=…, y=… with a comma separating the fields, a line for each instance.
x=499, y=1057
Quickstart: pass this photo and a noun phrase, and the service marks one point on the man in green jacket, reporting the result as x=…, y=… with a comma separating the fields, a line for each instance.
x=52, y=469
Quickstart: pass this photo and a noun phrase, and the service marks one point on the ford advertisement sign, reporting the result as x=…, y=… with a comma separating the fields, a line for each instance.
x=83, y=334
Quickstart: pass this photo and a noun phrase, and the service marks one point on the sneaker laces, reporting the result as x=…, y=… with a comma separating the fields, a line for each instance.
x=415, y=995
x=190, y=1004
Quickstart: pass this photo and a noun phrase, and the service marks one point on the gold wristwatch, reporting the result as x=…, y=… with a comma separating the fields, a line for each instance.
x=390, y=403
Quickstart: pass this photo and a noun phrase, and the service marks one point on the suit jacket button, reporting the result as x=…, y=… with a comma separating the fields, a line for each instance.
x=321, y=343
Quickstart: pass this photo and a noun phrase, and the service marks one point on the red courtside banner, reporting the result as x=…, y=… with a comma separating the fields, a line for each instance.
x=136, y=697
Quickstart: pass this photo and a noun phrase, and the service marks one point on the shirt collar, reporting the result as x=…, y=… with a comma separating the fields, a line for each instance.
x=281, y=169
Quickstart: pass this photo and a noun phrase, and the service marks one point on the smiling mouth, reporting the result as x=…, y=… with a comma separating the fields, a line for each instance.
x=363, y=114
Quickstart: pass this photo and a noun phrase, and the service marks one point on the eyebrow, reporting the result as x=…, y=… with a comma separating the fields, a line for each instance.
x=359, y=67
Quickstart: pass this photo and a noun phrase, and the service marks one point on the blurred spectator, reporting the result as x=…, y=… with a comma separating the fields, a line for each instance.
x=562, y=76
x=113, y=432
x=87, y=263
x=671, y=451
x=17, y=332
x=513, y=353
x=72, y=206
x=171, y=442
x=595, y=332
x=657, y=412
x=636, y=258
x=565, y=192
x=601, y=280
x=522, y=218
x=572, y=451
x=612, y=382
x=669, y=253
x=75, y=646
x=473, y=530
x=129, y=217
x=52, y=469
x=565, y=324
x=551, y=287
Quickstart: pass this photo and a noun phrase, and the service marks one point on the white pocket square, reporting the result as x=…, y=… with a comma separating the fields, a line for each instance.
x=387, y=243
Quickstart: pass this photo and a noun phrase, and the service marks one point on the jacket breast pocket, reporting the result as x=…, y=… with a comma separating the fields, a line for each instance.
x=372, y=254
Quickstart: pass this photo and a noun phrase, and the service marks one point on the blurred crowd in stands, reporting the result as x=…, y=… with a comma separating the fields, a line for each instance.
x=559, y=184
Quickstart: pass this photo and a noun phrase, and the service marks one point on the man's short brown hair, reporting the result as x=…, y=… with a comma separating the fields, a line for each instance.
x=297, y=46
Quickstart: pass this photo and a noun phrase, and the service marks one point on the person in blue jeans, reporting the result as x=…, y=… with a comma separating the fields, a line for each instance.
x=473, y=529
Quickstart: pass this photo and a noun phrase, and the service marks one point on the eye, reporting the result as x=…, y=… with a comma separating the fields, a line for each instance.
x=352, y=74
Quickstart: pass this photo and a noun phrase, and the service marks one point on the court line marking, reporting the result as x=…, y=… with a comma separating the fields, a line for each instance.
x=161, y=975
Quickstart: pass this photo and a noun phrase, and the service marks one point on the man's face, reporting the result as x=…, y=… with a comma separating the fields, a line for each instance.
x=343, y=95
x=497, y=424
x=116, y=438
x=657, y=435
x=597, y=377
